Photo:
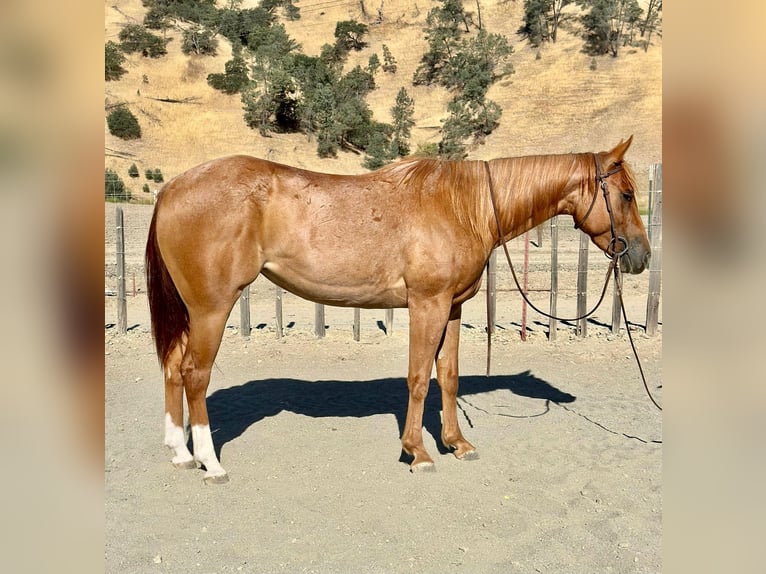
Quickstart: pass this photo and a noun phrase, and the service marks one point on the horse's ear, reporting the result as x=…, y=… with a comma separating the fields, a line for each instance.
x=617, y=153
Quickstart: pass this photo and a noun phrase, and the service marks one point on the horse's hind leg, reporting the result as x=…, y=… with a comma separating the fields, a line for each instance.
x=205, y=332
x=447, y=377
x=175, y=439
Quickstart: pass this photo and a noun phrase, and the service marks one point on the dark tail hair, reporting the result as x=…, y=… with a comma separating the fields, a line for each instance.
x=170, y=318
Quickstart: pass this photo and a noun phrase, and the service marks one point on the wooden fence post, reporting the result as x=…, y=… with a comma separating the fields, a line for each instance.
x=357, y=323
x=554, y=276
x=524, y=283
x=492, y=292
x=244, y=312
x=655, y=263
x=616, y=305
x=582, y=285
x=389, y=321
x=122, y=305
x=319, y=329
x=279, y=311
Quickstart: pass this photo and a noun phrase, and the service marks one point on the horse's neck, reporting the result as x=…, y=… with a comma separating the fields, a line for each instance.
x=531, y=190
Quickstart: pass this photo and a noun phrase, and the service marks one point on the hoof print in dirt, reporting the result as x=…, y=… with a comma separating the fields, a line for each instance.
x=220, y=479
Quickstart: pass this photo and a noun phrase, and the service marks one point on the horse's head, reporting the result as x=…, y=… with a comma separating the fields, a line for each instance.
x=608, y=211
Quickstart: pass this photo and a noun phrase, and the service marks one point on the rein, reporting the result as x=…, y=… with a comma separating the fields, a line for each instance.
x=610, y=252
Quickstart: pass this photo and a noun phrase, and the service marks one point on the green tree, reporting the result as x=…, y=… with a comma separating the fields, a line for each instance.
x=373, y=64
x=467, y=119
x=235, y=76
x=356, y=84
x=652, y=22
x=113, y=61
x=608, y=24
x=123, y=124
x=114, y=187
x=237, y=25
x=389, y=62
x=136, y=38
x=349, y=35
x=157, y=18
x=535, y=26
x=377, y=153
x=158, y=178
x=133, y=171
x=260, y=107
x=476, y=64
x=198, y=11
x=326, y=125
x=353, y=119
x=542, y=19
x=200, y=41
x=444, y=27
x=271, y=101
x=402, y=114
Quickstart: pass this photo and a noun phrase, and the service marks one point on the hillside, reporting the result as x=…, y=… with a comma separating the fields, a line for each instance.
x=551, y=104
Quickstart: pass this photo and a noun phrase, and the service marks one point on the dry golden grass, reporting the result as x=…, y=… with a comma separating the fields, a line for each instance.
x=555, y=104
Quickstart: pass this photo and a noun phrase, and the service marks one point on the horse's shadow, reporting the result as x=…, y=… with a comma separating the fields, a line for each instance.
x=233, y=410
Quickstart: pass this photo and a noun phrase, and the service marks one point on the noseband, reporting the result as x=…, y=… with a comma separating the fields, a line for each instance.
x=601, y=178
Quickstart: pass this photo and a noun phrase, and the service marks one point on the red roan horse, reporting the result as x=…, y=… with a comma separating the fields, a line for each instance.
x=413, y=234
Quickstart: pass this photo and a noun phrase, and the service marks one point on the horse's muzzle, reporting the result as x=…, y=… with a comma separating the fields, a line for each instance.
x=635, y=259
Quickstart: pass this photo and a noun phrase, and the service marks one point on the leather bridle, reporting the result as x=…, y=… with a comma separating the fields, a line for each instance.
x=602, y=183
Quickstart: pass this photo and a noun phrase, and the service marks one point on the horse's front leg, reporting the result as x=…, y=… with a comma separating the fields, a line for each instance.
x=428, y=317
x=447, y=372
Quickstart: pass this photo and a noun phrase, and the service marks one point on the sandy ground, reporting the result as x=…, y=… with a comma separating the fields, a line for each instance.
x=568, y=480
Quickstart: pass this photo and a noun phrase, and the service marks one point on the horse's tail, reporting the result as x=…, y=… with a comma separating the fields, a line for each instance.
x=169, y=316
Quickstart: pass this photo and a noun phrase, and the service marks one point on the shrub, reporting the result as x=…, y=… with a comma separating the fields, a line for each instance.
x=133, y=171
x=234, y=79
x=427, y=150
x=123, y=124
x=114, y=187
x=113, y=61
x=158, y=176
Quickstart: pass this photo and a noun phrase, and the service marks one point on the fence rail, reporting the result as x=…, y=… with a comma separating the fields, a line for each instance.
x=491, y=291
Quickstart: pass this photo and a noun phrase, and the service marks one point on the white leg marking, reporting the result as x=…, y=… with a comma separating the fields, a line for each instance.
x=176, y=441
x=204, y=451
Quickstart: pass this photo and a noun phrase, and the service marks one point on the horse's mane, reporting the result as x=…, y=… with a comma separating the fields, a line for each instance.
x=461, y=184
x=524, y=186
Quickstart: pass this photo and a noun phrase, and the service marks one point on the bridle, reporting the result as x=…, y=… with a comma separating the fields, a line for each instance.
x=610, y=252
x=602, y=183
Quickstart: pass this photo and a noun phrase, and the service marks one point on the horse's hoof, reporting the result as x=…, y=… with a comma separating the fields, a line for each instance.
x=470, y=455
x=426, y=466
x=185, y=464
x=216, y=479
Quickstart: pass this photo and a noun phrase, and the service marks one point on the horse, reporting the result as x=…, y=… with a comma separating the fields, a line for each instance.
x=414, y=234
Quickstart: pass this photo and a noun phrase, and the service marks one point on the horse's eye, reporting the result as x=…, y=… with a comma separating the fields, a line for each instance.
x=627, y=196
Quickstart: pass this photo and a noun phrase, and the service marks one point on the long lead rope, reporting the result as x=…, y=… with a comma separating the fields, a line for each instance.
x=613, y=268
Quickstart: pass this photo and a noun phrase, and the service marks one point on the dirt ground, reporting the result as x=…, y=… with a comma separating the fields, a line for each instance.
x=569, y=477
